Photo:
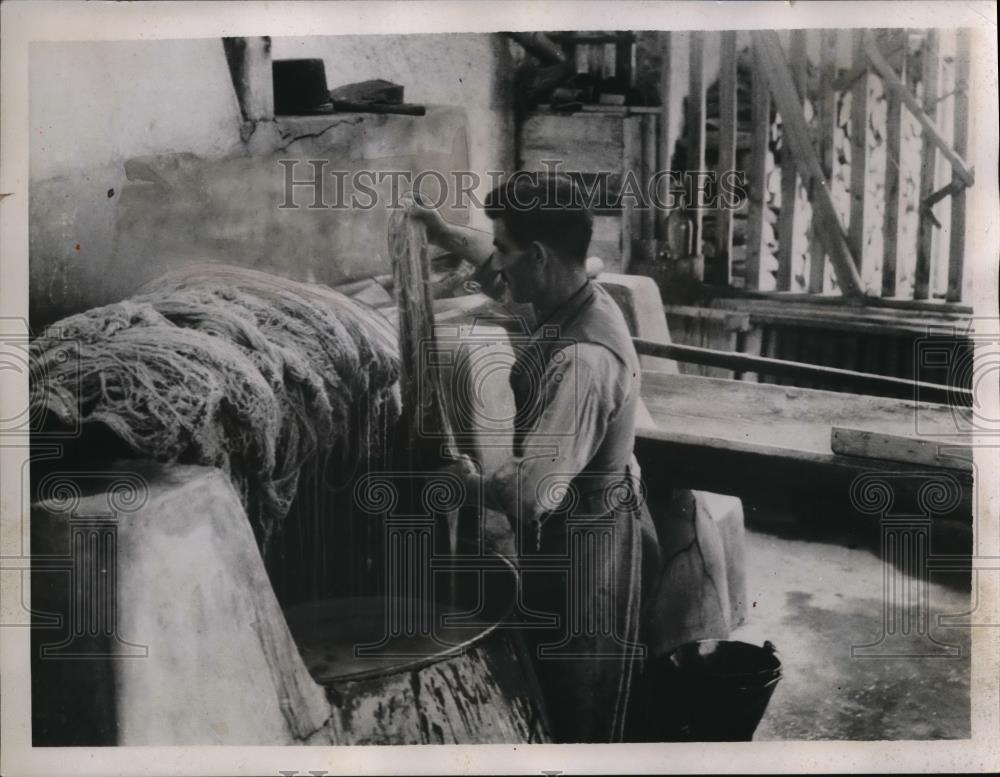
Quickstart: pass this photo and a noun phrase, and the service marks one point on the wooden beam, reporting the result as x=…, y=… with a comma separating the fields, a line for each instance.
x=696, y=125
x=742, y=362
x=757, y=180
x=786, y=215
x=840, y=302
x=892, y=83
x=750, y=470
x=893, y=447
x=826, y=104
x=963, y=84
x=859, y=155
x=722, y=274
x=930, y=75
x=779, y=80
x=890, y=223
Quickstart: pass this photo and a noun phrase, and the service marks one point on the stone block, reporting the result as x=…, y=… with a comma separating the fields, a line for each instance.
x=726, y=512
x=178, y=613
x=638, y=296
x=691, y=599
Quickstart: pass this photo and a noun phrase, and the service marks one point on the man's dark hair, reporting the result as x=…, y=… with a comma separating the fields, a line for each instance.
x=545, y=208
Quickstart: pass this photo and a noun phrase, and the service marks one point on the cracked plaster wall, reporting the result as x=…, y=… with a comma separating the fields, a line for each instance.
x=137, y=164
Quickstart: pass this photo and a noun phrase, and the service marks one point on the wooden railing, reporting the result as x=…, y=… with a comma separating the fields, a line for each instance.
x=836, y=377
x=924, y=78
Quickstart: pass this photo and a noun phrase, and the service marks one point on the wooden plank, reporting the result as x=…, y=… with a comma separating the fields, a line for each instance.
x=892, y=82
x=890, y=223
x=859, y=154
x=631, y=215
x=750, y=470
x=729, y=360
x=866, y=320
x=695, y=118
x=736, y=437
x=796, y=420
x=742, y=438
x=931, y=74
x=786, y=215
x=648, y=164
x=667, y=138
x=892, y=447
x=826, y=103
x=779, y=80
x=963, y=85
x=609, y=110
x=761, y=120
x=722, y=269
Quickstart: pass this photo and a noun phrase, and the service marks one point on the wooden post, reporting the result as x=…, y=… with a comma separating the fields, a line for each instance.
x=779, y=80
x=892, y=83
x=648, y=168
x=931, y=73
x=623, y=58
x=890, y=224
x=722, y=270
x=963, y=84
x=667, y=138
x=786, y=216
x=859, y=155
x=632, y=142
x=696, y=127
x=761, y=120
x=249, y=62
x=826, y=104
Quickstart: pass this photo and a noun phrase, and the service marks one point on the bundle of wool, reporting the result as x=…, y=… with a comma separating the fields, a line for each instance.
x=427, y=420
x=232, y=368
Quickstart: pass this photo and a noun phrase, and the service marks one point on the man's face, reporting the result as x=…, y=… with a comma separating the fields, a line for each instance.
x=519, y=267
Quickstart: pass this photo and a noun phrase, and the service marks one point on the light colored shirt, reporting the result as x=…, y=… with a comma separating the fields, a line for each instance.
x=583, y=391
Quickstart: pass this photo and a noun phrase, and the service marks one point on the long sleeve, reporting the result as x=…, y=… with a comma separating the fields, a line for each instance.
x=583, y=389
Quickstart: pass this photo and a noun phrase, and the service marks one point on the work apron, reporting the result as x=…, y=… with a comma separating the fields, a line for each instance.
x=588, y=663
x=592, y=557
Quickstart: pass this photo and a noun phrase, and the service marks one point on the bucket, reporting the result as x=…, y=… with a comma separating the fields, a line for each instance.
x=711, y=690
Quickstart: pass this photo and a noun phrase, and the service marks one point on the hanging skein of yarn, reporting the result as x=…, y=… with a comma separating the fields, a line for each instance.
x=232, y=368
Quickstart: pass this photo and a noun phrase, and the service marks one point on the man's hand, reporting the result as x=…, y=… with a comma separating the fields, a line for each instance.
x=436, y=226
x=467, y=470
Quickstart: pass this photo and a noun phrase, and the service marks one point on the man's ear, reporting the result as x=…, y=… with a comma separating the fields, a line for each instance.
x=540, y=254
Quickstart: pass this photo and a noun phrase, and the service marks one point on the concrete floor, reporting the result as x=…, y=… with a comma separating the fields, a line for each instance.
x=815, y=594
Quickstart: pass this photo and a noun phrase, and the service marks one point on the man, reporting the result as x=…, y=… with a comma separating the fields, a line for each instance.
x=572, y=487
